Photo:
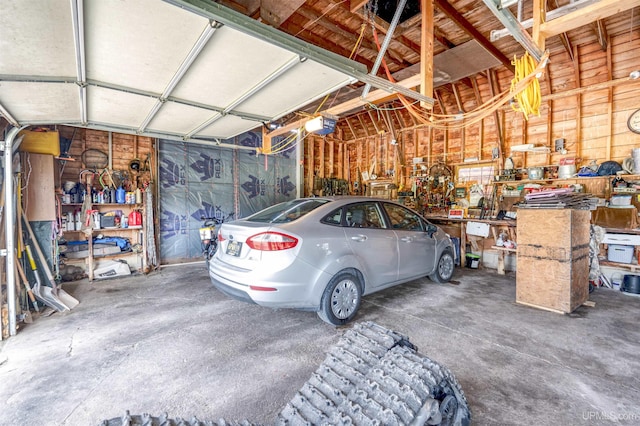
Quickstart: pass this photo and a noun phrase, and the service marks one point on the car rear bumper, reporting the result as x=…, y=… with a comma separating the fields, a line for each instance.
x=291, y=289
x=232, y=292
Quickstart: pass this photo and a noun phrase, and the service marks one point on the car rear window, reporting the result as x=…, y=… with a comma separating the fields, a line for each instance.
x=287, y=211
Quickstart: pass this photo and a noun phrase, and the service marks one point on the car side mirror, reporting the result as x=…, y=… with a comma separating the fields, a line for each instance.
x=431, y=229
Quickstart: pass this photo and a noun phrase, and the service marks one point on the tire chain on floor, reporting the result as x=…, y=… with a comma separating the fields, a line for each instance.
x=372, y=376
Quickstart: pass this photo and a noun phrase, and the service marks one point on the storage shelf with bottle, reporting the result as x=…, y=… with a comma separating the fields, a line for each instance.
x=113, y=219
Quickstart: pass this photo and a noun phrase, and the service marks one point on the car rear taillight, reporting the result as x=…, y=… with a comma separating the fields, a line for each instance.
x=271, y=241
x=220, y=237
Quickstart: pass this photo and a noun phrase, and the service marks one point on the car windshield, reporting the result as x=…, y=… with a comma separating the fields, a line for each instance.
x=287, y=211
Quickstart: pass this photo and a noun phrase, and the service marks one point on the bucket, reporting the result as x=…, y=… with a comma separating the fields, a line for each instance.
x=473, y=260
x=631, y=284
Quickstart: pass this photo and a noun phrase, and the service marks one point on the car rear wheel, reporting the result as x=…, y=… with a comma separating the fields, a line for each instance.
x=341, y=299
x=444, y=268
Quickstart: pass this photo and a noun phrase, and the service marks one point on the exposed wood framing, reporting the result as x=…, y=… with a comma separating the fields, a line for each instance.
x=364, y=126
x=462, y=22
x=494, y=89
x=375, y=123
x=549, y=117
x=476, y=91
x=351, y=37
x=354, y=5
x=331, y=158
x=275, y=12
x=598, y=86
x=585, y=16
x=576, y=71
x=426, y=51
x=310, y=164
x=539, y=16
x=600, y=29
x=321, y=158
x=609, y=99
x=353, y=132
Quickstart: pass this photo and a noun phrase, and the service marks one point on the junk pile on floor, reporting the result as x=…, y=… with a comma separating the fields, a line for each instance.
x=373, y=375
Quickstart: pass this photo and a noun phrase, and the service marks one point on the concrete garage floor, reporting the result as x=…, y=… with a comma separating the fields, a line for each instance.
x=171, y=342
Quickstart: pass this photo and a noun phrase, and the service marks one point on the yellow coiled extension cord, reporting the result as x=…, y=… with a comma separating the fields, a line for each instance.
x=527, y=101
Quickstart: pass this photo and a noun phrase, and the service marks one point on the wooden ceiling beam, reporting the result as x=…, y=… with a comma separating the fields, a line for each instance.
x=440, y=38
x=585, y=16
x=310, y=37
x=375, y=96
x=352, y=38
x=383, y=27
x=275, y=12
x=600, y=29
x=466, y=26
x=355, y=5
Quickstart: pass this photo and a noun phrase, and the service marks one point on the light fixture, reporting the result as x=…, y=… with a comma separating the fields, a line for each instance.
x=634, y=75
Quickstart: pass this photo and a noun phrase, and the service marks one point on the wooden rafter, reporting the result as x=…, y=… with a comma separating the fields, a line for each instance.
x=600, y=29
x=456, y=94
x=585, y=16
x=466, y=26
x=353, y=132
x=364, y=126
x=383, y=27
x=355, y=5
x=352, y=38
x=375, y=123
x=275, y=12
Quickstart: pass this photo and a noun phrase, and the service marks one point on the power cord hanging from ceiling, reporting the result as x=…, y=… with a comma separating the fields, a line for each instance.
x=459, y=121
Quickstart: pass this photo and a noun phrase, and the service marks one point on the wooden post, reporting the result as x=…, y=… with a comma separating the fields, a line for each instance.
x=426, y=50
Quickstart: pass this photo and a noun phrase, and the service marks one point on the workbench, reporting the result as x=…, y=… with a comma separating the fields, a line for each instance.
x=455, y=227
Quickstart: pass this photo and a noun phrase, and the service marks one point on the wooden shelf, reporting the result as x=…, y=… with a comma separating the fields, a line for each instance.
x=128, y=232
x=93, y=205
x=116, y=255
x=632, y=266
x=564, y=179
x=510, y=250
x=130, y=228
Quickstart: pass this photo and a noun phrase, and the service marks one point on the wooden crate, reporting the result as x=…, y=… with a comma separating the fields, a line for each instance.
x=553, y=258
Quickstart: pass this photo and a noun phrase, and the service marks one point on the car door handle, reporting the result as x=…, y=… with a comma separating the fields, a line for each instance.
x=359, y=237
x=406, y=239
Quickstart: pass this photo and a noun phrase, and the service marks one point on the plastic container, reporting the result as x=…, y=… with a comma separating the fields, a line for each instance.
x=473, y=260
x=121, y=195
x=135, y=218
x=619, y=253
x=620, y=200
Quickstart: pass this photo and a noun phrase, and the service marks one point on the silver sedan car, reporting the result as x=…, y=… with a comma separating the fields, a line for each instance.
x=323, y=254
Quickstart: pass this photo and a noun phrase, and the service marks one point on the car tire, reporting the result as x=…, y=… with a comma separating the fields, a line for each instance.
x=444, y=268
x=341, y=299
